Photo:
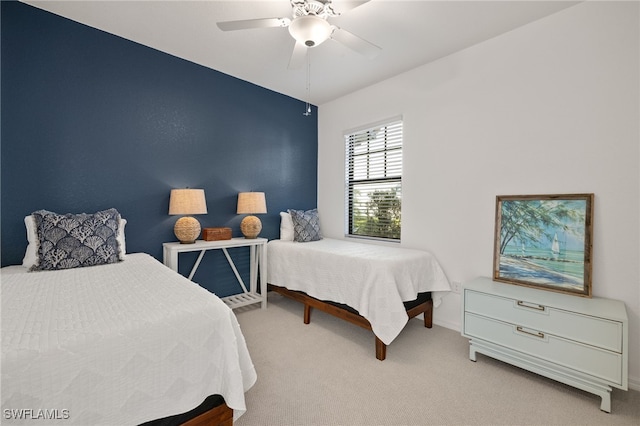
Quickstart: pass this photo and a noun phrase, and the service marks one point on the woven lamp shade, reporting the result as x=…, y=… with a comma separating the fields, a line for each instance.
x=187, y=202
x=251, y=203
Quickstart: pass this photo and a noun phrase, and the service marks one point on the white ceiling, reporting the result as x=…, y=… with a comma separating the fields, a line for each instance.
x=410, y=33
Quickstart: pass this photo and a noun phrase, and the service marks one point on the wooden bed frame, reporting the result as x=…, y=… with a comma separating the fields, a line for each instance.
x=212, y=412
x=348, y=314
x=221, y=415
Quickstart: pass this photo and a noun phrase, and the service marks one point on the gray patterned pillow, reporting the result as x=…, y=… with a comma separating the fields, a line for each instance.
x=306, y=225
x=76, y=240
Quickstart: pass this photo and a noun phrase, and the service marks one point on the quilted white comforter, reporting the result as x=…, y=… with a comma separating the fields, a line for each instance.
x=373, y=279
x=117, y=344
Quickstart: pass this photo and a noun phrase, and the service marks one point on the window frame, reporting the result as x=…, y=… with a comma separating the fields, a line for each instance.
x=391, y=167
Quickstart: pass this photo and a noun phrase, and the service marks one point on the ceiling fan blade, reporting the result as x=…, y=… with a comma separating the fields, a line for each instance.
x=254, y=23
x=343, y=6
x=356, y=43
x=298, y=55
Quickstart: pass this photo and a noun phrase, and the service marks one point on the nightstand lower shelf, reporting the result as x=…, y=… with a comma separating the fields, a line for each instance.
x=242, y=299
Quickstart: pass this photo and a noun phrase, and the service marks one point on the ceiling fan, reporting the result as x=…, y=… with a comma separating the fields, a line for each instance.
x=310, y=27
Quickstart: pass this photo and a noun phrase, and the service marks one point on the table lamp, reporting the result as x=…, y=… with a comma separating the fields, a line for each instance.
x=187, y=202
x=251, y=203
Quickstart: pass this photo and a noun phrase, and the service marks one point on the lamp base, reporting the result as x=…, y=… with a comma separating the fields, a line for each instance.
x=250, y=227
x=187, y=229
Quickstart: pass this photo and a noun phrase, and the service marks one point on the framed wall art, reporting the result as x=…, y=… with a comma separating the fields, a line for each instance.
x=544, y=241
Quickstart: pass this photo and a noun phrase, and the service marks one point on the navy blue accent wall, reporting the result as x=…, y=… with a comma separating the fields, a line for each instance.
x=92, y=121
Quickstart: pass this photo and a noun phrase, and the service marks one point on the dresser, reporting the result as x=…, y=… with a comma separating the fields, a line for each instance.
x=582, y=342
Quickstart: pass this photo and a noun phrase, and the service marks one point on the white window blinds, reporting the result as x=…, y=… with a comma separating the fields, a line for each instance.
x=374, y=181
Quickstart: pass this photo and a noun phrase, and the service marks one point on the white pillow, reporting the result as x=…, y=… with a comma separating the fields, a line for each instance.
x=286, y=227
x=122, y=244
x=31, y=255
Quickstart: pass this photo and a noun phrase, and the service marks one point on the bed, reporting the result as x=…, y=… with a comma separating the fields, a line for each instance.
x=376, y=287
x=125, y=343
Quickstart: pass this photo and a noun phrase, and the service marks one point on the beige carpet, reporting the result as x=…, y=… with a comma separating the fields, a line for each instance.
x=326, y=373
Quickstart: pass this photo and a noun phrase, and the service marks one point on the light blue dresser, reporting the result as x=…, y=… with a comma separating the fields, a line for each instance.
x=575, y=340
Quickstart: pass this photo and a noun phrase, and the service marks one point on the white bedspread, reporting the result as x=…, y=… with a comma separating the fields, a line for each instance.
x=372, y=279
x=117, y=344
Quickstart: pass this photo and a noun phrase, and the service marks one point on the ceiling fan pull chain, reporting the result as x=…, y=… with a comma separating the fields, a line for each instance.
x=307, y=109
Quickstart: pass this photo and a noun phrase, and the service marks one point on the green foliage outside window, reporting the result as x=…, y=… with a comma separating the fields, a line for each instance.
x=380, y=216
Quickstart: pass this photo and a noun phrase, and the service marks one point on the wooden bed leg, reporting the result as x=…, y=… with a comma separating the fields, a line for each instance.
x=307, y=314
x=381, y=350
x=428, y=315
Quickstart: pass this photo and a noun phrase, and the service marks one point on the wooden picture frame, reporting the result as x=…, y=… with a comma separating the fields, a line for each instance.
x=544, y=241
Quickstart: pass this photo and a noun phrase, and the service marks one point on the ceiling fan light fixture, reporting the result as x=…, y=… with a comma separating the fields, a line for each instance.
x=310, y=30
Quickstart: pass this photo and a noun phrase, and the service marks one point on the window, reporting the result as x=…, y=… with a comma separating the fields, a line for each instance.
x=374, y=181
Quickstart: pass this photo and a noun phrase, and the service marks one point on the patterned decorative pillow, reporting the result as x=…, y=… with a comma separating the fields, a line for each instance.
x=31, y=254
x=306, y=225
x=76, y=240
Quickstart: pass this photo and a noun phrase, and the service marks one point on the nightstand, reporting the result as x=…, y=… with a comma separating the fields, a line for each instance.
x=258, y=262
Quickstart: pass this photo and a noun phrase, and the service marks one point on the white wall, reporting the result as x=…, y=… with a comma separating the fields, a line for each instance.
x=549, y=108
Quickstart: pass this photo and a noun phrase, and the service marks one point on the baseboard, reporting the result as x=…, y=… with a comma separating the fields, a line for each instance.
x=447, y=324
x=634, y=383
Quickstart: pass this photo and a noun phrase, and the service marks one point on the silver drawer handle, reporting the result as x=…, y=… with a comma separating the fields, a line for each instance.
x=536, y=307
x=536, y=334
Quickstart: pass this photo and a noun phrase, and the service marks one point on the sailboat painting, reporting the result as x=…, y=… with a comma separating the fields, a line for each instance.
x=544, y=241
x=555, y=247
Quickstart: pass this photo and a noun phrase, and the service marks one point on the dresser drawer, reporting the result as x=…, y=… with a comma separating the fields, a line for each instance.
x=586, y=329
x=606, y=365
